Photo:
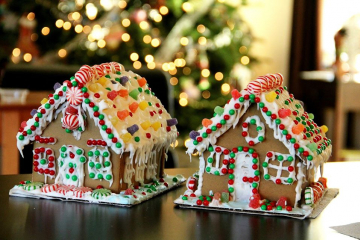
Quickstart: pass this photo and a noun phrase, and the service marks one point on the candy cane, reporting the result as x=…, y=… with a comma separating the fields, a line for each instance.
x=98, y=70
x=265, y=83
x=106, y=67
x=82, y=76
x=117, y=67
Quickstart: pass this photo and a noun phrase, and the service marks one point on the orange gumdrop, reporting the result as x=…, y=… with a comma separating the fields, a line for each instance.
x=206, y=122
x=123, y=93
x=133, y=107
x=297, y=129
x=141, y=82
x=122, y=114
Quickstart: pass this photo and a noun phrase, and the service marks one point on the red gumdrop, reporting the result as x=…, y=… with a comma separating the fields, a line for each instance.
x=99, y=187
x=255, y=201
x=23, y=124
x=112, y=95
x=283, y=113
x=199, y=202
x=206, y=203
x=282, y=202
x=128, y=191
x=235, y=94
x=133, y=107
x=71, y=110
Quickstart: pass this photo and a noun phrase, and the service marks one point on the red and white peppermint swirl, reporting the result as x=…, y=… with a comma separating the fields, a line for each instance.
x=47, y=188
x=82, y=76
x=80, y=191
x=106, y=67
x=71, y=122
x=117, y=67
x=98, y=70
x=74, y=96
x=64, y=189
x=265, y=83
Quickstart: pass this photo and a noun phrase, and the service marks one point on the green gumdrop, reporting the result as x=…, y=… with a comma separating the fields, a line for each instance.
x=312, y=146
x=311, y=116
x=219, y=110
x=134, y=94
x=224, y=197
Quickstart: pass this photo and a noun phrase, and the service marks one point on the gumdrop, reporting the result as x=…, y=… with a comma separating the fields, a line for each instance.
x=311, y=116
x=123, y=93
x=33, y=112
x=323, y=181
x=71, y=110
x=44, y=101
x=194, y=134
x=219, y=110
x=132, y=129
x=297, y=129
x=255, y=201
x=141, y=82
x=56, y=86
x=134, y=94
x=225, y=197
x=312, y=146
x=143, y=105
x=270, y=96
x=235, y=94
x=283, y=113
x=156, y=125
x=112, y=95
x=126, y=137
x=102, y=81
x=145, y=125
x=171, y=122
x=114, y=121
x=23, y=124
x=324, y=129
x=124, y=80
x=282, y=202
x=93, y=87
x=133, y=107
x=128, y=191
x=122, y=114
x=206, y=122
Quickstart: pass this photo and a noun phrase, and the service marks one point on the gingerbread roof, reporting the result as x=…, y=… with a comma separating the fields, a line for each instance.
x=292, y=125
x=127, y=112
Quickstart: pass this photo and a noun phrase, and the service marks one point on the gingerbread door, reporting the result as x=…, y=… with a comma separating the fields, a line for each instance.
x=243, y=171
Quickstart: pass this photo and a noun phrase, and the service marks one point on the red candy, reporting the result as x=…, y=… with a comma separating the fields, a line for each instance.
x=283, y=113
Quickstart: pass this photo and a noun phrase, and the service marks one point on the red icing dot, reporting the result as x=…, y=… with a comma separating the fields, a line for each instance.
x=256, y=178
x=160, y=111
x=225, y=162
x=60, y=93
x=245, y=149
x=278, y=181
x=97, y=95
x=99, y=187
x=269, y=154
x=236, y=105
x=244, y=134
x=42, y=149
x=231, y=171
x=291, y=168
x=41, y=171
x=108, y=130
x=96, y=114
x=208, y=131
x=264, y=109
x=148, y=135
x=49, y=151
x=37, y=151
x=51, y=158
x=199, y=139
x=104, y=144
x=231, y=182
x=231, y=160
x=36, y=164
x=43, y=111
x=224, y=170
x=235, y=150
x=101, y=122
x=46, y=171
x=199, y=202
x=251, y=143
x=71, y=170
x=226, y=117
x=46, y=140
x=41, y=140
x=254, y=155
x=218, y=125
x=114, y=139
x=52, y=172
x=226, y=151
x=89, y=142
x=37, y=138
x=168, y=128
x=245, y=124
x=86, y=95
x=254, y=166
x=36, y=169
x=245, y=179
x=218, y=149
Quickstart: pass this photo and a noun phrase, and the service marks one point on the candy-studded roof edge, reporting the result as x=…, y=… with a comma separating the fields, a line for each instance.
x=282, y=113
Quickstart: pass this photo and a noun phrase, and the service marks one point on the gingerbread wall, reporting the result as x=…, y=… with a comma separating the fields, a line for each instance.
x=233, y=138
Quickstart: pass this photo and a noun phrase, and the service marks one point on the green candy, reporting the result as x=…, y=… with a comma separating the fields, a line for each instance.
x=219, y=110
x=79, y=152
x=210, y=160
x=134, y=94
x=98, y=166
x=74, y=178
x=208, y=169
x=107, y=163
x=106, y=154
x=82, y=159
x=175, y=179
x=92, y=175
x=312, y=146
x=90, y=154
x=100, y=176
x=91, y=164
x=63, y=149
x=97, y=153
x=267, y=176
x=43, y=161
x=118, y=145
x=71, y=165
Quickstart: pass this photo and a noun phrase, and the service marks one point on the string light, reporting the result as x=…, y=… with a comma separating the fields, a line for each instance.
x=202, y=40
x=144, y=25
x=107, y=4
x=91, y=38
x=165, y=67
x=149, y=58
x=245, y=60
x=101, y=43
x=205, y=72
x=16, y=52
x=184, y=41
x=151, y=65
x=158, y=18
x=183, y=102
x=67, y=25
x=78, y=28
x=155, y=42
x=147, y=39
x=45, y=31
x=243, y=49
x=59, y=23
x=206, y=94
x=187, y=7
x=125, y=37
x=173, y=71
x=27, y=57
x=30, y=16
x=62, y=53
x=137, y=65
x=183, y=95
x=187, y=70
x=225, y=89
x=75, y=16
x=125, y=22
x=164, y=10
x=122, y=4
x=174, y=81
x=201, y=28
x=86, y=29
x=219, y=76
x=134, y=56
x=91, y=11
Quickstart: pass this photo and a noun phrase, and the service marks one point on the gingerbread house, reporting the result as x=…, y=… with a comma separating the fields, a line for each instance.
x=259, y=152
x=103, y=129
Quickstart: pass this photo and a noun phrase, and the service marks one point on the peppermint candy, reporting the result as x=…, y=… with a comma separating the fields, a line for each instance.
x=82, y=76
x=64, y=189
x=47, y=188
x=117, y=67
x=71, y=121
x=265, y=83
x=80, y=191
x=74, y=96
x=98, y=70
x=106, y=67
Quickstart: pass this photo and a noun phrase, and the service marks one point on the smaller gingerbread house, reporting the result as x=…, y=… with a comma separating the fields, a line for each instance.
x=260, y=152
x=102, y=136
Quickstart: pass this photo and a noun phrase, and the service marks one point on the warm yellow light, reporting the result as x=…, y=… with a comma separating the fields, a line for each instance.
x=172, y=66
x=78, y=28
x=97, y=32
x=45, y=31
x=122, y=4
x=225, y=88
x=147, y=39
x=173, y=71
x=87, y=29
x=174, y=81
x=107, y=4
x=221, y=1
x=16, y=52
x=184, y=41
x=205, y=72
x=137, y=65
x=151, y=65
x=30, y=16
x=59, y=23
x=67, y=25
x=91, y=38
x=149, y=58
x=155, y=42
x=75, y=16
x=202, y=40
x=243, y=49
x=134, y=56
x=27, y=57
x=219, y=76
x=165, y=67
x=245, y=60
x=126, y=22
x=187, y=70
x=187, y=7
x=91, y=11
x=175, y=145
x=201, y=28
x=164, y=10
x=101, y=43
x=183, y=95
x=183, y=102
x=187, y=141
x=157, y=18
x=125, y=37
x=144, y=25
x=178, y=62
x=62, y=53
x=205, y=94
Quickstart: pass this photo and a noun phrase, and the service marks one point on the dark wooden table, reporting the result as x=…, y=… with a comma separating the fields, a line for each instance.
x=158, y=218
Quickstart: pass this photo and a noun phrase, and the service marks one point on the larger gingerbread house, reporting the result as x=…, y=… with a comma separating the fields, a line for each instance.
x=260, y=152
x=103, y=129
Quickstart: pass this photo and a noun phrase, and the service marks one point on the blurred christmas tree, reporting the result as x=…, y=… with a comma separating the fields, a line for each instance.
x=202, y=44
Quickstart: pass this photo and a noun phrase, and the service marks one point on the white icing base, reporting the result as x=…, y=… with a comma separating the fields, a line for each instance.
x=113, y=199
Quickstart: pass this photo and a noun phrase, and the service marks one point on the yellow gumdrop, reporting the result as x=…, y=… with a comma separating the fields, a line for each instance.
x=324, y=129
x=156, y=125
x=114, y=121
x=145, y=125
x=44, y=101
x=93, y=87
x=126, y=137
x=102, y=81
x=143, y=105
x=270, y=97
